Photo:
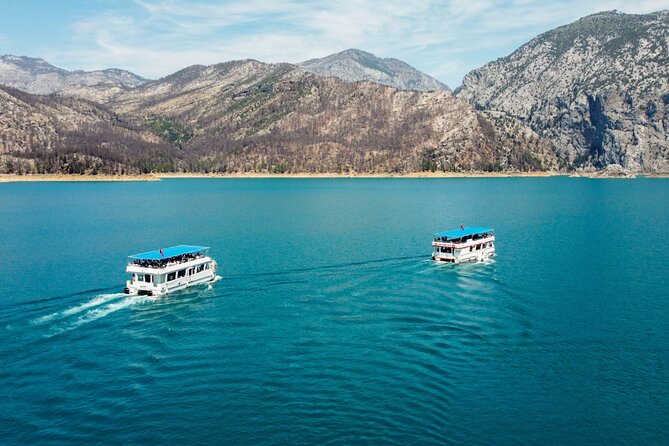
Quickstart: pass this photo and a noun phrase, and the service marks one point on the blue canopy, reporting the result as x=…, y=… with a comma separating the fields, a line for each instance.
x=459, y=233
x=172, y=251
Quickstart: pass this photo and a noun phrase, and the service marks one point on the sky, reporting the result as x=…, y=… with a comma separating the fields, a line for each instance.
x=153, y=38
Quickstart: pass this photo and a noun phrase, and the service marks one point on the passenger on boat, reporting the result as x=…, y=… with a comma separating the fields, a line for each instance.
x=164, y=262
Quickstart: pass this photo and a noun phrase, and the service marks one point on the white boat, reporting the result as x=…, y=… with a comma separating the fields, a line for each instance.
x=163, y=271
x=464, y=245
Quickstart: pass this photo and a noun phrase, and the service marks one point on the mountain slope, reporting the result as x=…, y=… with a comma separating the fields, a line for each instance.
x=355, y=65
x=37, y=76
x=251, y=116
x=51, y=134
x=598, y=88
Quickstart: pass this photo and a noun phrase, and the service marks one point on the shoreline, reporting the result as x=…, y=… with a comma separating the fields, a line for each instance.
x=13, y=178
x=359, y=175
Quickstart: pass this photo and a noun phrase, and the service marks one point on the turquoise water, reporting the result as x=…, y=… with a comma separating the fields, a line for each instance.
x=330, y=324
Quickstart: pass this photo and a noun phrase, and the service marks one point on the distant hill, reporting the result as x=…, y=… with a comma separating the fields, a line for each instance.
x=597, y=88
x=252, y=116
x=355, y=65
x=52, y=134
x=37, y=76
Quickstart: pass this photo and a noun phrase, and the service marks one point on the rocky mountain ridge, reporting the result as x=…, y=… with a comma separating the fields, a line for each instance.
x=36, y=76
x=252, y=116
x=355, y=65
x=248, y=116
x=597, y=88
x=591, y=95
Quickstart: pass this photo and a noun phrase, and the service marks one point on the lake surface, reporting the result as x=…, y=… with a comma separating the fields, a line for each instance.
x=330, y=324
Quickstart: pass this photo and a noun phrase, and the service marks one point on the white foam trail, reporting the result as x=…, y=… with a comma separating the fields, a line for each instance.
x=96, y=301
x=103, y=311
x=100, y=312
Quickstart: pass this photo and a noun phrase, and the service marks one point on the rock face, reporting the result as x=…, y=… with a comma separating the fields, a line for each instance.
x=51, y=134
x=37, y=76
x=252, y=116
x=355, y=65
x=597, y=88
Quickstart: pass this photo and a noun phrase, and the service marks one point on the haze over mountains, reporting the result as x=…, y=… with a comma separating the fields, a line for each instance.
x=590, y=94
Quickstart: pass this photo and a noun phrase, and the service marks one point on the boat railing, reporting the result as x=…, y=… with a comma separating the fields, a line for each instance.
x=467, y=240
x=162, y=263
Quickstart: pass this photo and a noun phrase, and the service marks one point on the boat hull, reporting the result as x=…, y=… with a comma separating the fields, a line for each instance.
x=169, y=289
x=171, y=279
x=476, y=249
x=477, y=256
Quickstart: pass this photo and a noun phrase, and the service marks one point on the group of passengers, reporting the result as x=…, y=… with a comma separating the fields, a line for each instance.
x=463, y=239
x=145, y=263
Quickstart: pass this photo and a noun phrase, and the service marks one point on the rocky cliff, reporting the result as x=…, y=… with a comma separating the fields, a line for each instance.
x=355, y=65
x=597, y=88
x=252, y=116
x=37, y=76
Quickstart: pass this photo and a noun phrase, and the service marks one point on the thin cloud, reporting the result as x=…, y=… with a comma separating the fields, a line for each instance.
x=443, y=38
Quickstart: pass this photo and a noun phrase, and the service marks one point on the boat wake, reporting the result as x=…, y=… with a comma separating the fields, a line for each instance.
x=97, y=307
x=95, y=302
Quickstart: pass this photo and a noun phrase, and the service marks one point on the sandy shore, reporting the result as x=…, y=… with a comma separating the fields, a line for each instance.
x=361, y=175
x=7, y=178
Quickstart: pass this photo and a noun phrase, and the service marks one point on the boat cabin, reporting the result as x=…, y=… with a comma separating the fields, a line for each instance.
x=471, y=244
x=169, y=269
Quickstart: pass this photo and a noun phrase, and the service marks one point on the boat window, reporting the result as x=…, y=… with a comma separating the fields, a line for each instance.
x=181, y=273
x=147, y=278
x=171, y=276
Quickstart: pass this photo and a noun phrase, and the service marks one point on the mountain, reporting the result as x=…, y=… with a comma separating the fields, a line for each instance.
x=251, y=116
x=37, y=76
x=597, y=88
x=355, y=65
x=53, y=134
